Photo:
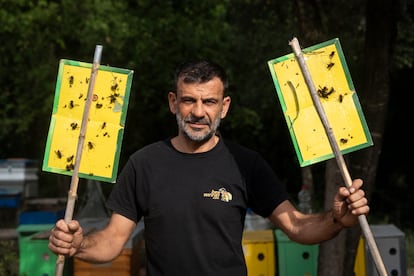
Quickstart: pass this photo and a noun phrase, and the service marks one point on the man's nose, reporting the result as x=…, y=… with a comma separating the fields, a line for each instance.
x=198, y=109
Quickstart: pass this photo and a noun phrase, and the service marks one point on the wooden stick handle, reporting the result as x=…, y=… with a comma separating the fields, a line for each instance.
x=72, y=195
x=338, y=155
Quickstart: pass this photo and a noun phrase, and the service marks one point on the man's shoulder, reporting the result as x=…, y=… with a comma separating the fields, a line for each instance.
x=245, y=157
x=152, y=148
x=236, y=148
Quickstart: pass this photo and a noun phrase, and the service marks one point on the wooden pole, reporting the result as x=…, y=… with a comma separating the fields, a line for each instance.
x=338, y=155
x=72, y=195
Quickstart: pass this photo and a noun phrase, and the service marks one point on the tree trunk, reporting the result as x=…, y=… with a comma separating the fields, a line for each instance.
x=380, y=35
x=332, y=253
x=375, y=93
x=337, y=256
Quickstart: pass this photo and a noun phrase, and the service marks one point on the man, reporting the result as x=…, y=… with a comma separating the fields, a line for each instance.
x=193, y=191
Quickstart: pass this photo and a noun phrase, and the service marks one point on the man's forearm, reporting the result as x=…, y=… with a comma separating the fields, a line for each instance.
x=95, y=248
x=316, y=228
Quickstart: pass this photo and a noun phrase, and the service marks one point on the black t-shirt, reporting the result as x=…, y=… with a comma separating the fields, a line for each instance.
x=194, y=205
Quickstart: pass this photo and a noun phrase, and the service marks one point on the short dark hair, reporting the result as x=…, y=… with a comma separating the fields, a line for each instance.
x=200, y=71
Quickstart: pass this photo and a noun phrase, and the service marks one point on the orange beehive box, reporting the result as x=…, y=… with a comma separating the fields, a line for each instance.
x=121, y=266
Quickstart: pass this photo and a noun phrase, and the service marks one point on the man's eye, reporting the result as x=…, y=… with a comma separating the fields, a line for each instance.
x=187, y=101
x=210, y=102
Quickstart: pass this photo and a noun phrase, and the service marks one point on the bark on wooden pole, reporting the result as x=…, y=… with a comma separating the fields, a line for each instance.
x=294, y=43
x=72, y=194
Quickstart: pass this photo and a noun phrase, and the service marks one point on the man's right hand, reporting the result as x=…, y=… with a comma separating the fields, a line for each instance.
x=66, y=238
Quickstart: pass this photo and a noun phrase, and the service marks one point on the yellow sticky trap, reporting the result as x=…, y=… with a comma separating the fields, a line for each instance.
x=329, y=71
x=105, y=128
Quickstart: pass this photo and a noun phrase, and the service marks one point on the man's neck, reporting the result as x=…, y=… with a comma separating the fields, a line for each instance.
x=185, y=145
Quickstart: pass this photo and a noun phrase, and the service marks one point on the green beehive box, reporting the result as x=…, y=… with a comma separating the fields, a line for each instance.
x=294, y=258
x=35, y=256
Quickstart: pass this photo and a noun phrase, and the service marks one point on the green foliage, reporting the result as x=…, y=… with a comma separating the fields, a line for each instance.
x=9, y=258
x=35, y=35
x=151, y=37
x=20, y=102
x=404, y=57
x=409, y=246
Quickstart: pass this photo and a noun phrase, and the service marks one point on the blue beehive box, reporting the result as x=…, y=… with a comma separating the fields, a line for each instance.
x=9, y=198
x=38, y=217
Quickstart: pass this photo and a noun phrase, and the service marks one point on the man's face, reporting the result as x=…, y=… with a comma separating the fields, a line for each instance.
x=199, y=108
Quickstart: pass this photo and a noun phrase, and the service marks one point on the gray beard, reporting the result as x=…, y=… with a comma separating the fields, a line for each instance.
x=195, y=135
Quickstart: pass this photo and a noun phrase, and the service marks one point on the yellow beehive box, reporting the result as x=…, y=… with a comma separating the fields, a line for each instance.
x=259, y=252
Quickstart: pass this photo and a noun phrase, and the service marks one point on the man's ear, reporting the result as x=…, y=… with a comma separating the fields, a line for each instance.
x=226, y=106
x=172, y=102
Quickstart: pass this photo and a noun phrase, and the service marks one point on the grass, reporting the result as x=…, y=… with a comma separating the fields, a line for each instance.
x=9, y=258
x=409, y=247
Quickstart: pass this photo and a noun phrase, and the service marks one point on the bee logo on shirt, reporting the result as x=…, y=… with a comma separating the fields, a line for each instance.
x=222, y=194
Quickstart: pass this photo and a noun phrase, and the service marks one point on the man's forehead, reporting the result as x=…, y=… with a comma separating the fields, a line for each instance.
x=213, y=88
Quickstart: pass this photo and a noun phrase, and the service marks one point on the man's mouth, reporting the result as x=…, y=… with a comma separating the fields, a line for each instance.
x=197, y=124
